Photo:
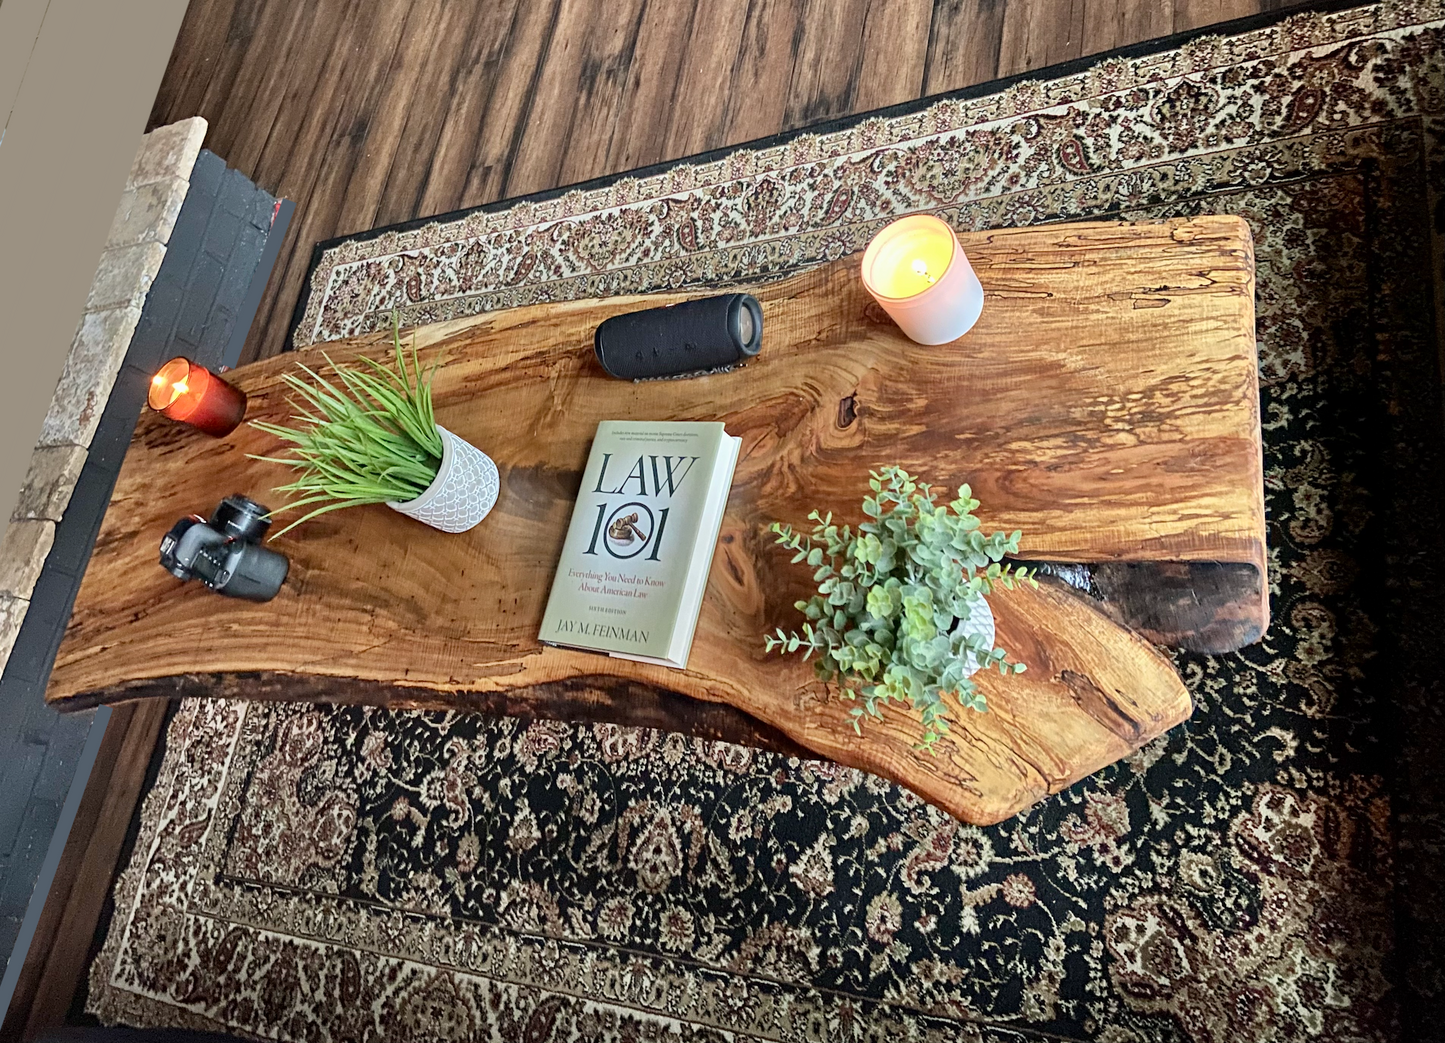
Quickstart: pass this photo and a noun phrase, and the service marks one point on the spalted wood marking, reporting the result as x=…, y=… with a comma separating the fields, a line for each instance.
x=1108, y=433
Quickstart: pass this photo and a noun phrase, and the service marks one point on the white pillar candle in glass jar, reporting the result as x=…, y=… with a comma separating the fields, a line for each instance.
x=916, y=270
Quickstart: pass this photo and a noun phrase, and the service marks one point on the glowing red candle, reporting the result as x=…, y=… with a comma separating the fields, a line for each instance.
x=194, y=395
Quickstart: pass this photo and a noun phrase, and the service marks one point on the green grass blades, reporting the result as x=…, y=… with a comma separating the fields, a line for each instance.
x=367, y=435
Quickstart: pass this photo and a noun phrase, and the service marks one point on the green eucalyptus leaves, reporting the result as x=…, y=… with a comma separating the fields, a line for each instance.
x=891, y=617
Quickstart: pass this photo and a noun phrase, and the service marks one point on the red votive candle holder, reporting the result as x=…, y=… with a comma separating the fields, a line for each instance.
x=194, y=395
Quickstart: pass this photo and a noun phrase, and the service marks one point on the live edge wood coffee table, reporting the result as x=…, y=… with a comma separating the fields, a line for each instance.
x=1106, y=404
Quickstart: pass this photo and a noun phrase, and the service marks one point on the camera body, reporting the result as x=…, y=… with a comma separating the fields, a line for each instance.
x=226, y=553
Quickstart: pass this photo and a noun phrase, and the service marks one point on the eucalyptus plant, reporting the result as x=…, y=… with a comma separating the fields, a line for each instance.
x=368, y=437
x=895, y=596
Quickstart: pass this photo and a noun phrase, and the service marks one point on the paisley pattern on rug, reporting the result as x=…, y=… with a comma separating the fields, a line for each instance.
x=306, y=873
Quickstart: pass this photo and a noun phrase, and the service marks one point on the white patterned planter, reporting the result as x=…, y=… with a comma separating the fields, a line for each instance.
x=463, y=491
x=979, y=624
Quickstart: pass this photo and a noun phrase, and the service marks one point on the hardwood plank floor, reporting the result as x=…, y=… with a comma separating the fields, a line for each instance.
x=895, y=48
x=58, y=957
x=370, y=112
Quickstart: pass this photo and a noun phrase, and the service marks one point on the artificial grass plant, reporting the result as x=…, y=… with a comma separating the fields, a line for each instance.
x=368, y=437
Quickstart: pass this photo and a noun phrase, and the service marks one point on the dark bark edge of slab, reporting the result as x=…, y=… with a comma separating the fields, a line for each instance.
x=1198, y=606
x=597, y=699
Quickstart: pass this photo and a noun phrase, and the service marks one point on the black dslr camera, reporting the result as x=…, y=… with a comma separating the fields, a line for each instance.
x=226, y=553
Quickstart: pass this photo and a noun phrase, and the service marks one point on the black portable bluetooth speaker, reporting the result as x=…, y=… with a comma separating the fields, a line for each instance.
x=681, y=340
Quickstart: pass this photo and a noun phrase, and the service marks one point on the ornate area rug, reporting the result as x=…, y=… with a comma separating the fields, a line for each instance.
x=1267, y=871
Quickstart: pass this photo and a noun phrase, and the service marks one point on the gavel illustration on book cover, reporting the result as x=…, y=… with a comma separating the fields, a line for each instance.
x=625, y=530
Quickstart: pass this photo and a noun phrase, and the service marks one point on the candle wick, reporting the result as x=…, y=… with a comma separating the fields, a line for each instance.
x=920, y=268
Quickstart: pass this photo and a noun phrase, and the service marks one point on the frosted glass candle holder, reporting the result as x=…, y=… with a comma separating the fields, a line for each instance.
x=917, y=271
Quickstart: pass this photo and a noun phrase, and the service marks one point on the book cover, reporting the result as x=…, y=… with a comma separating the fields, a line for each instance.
x=634, y=565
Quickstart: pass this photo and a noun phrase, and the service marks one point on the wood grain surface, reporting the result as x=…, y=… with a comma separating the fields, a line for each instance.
x=1122, y=427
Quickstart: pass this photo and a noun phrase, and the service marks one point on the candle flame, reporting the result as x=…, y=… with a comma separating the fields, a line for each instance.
x=920, y=269
x=170, y=382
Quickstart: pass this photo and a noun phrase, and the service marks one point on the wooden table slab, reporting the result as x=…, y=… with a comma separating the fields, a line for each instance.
x=1106, y=404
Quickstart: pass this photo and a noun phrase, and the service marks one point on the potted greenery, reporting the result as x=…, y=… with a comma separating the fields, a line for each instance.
x=371, y=437
x=900, y=614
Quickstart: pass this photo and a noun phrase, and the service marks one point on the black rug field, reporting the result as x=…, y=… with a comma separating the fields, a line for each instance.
x=1270, y=870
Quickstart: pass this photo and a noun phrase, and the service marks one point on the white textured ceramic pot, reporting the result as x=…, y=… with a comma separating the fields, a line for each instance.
x=979, y=624
x=463, y=491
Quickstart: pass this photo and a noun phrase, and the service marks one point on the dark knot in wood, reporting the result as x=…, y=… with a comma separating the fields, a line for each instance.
x=847, y=411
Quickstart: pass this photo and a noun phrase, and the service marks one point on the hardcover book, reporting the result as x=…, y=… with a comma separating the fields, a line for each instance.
x=634, y=565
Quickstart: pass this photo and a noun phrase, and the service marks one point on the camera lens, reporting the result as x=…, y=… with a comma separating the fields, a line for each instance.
x=241, y=518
